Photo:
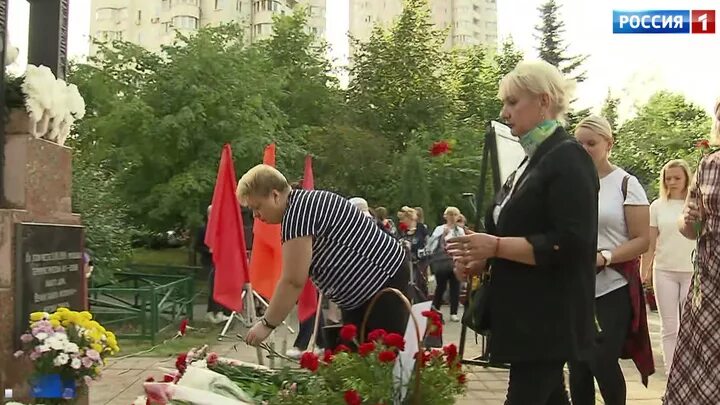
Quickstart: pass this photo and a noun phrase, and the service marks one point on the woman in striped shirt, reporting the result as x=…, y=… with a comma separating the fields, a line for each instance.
x=328, y=239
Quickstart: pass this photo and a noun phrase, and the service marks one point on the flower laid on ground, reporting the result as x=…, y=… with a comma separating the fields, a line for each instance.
x=67, y=343
x=182, y=329
x=439, y=148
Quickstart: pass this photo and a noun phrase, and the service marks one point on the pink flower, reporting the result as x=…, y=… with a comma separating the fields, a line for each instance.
x=26, y=338
x=35, y=355
x=212, y=359
x=87, y=362
x=93, y=354
x=87, y=379
x=18, y=354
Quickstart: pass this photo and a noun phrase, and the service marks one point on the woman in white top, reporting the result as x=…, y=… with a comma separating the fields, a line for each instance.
x=668, y=261
x=623, y=229
x=441, y=263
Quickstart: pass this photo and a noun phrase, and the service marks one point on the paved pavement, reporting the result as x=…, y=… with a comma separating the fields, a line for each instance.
x=122, y=381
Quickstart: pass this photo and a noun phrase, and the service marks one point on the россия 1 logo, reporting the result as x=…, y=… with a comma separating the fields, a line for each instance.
x=663, y=21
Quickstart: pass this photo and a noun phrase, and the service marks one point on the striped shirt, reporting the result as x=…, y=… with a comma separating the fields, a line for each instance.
x=352, y=258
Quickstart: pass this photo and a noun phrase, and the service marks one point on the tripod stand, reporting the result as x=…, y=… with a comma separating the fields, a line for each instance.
x=250, y=316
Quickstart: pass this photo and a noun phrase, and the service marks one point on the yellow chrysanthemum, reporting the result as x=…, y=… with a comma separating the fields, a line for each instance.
x=58, y=316
x=62, y=309
x=97, y=347
x=38, y=316
x=55, y=323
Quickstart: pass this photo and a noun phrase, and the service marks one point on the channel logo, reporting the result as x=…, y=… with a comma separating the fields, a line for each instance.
x=664, y=22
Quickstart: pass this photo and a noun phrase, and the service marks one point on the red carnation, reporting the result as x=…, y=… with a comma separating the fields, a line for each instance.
x=181, y=362
x=352, y=397
x=394, y=340
x=703, y=144
x=451, y=352
x=462, y=378
x=310, y=361
x=402, y=226
x=366, y=348
x=439, y=148
x=328, y=356
x=167, y=378
x=376, y=335
x=348, y=332
x=342, y=348
x=183, y=327
x=212, y=359
x=387, y=356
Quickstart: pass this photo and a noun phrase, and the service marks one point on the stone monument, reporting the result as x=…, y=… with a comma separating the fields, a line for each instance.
x=41, y=240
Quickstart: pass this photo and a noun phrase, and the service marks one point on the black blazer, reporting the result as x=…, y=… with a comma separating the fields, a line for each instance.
x=546, y=312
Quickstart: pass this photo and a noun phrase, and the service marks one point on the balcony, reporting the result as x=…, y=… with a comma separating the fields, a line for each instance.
x=185, y=7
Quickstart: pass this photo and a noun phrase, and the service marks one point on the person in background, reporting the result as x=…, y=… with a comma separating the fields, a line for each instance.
x=694, y=377
x=324, y=237
x=381, y=216
x=668, y=261
x=415, y=237
x=462, y=222
x=361, y=204
x=441, y=264
x=623, y=236
x=88, y=263
x=540, y=243
x=215, y=312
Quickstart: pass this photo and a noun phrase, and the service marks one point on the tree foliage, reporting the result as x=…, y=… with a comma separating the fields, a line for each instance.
x=147, y=151
x=552, y=44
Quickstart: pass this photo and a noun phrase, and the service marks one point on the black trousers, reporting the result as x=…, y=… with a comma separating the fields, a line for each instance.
x=443, y=276
x=389, y=312
x=537, y=383
x=213, y=306
x=614, y=313
x=305, y=333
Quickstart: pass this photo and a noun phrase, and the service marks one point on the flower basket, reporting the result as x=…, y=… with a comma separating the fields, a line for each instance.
x=67, y=350
x=53, y=386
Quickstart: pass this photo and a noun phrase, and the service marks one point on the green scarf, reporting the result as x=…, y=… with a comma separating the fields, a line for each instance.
x=536, y=136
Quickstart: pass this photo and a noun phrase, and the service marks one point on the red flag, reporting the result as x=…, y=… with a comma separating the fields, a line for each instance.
x=308, y=300
x=266, y=257
x=224, y=236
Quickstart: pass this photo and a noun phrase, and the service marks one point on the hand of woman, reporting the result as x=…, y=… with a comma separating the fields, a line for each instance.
x=646, y=275
x=691, y=214
x=477, y=247
x=464, y=270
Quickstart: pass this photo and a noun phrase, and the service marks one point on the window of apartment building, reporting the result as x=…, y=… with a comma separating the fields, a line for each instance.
x=491, y=1
x=190, y=2
x=140, y=37
x=110, y=35
x=368, y=18
x=185, y=21
x=491, y=26
x=238, y=5
x=166, y=4
x=105, y=13
x=219, y=4
x=138, y=17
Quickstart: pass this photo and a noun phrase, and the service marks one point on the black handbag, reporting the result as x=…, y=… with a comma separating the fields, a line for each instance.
x=476, y=316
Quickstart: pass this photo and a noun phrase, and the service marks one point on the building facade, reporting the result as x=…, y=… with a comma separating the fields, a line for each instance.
x=467, y=22
x=153, y=23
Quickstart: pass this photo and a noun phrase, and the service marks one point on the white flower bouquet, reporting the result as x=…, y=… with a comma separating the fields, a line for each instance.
x=52, y=104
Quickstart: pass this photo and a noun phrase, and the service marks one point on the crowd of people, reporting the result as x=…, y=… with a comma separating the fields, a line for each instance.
x=568, y=244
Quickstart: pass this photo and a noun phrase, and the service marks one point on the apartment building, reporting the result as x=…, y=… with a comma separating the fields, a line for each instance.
x=153, y=23
x=467, y=22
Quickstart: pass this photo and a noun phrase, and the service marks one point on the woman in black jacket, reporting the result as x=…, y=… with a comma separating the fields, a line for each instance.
x=540, y=244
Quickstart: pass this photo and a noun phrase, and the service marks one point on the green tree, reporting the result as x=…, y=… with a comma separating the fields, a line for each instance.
x=610, y=110
x=161, y=136
x=552, y=45
x=666, y=127
x=398, y=78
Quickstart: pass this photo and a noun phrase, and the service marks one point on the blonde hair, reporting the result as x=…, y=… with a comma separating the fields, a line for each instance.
x=407, y=214
x=664, y=192
x=715, y=132
x=420, y=214
x=260, y=181
x=539, y=77
x=598, y=125
x=452, y=211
